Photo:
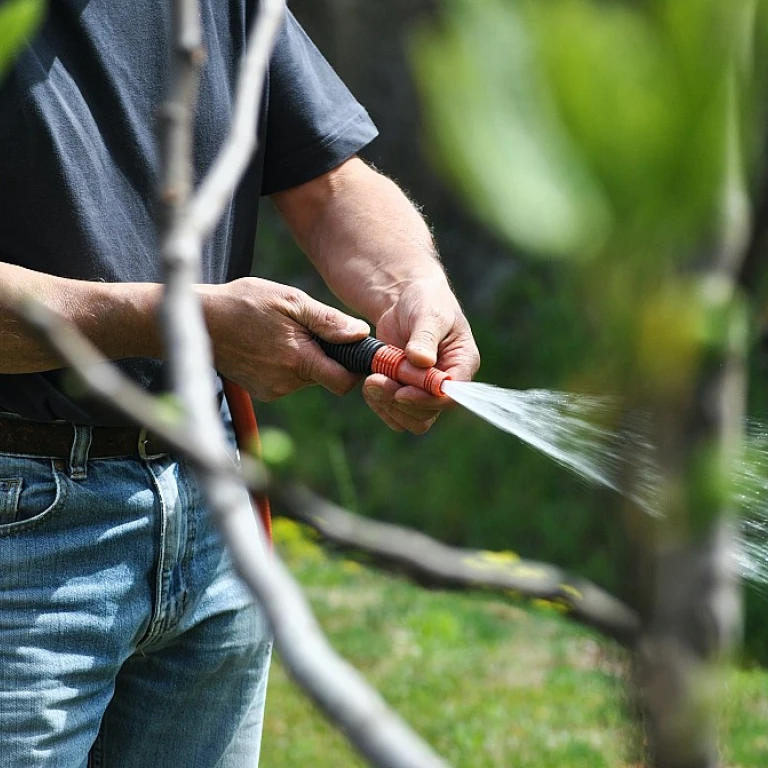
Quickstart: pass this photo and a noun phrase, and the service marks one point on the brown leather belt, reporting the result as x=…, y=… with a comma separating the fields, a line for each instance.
x=30, y=438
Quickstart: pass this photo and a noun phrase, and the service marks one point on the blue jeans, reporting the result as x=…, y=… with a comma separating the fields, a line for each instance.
x=123, y=630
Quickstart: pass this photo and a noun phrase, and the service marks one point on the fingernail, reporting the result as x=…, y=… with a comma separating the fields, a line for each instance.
x=374, y=393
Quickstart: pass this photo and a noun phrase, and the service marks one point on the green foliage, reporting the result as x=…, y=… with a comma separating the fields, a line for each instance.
x=644, y=117
x=18, y=19
x=493, y=122
x=577, y=127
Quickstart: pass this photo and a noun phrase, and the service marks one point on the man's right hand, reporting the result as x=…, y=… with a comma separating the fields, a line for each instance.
x=262, y=337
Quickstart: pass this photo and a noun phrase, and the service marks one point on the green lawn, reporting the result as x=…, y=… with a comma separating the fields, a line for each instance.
x=489, y=682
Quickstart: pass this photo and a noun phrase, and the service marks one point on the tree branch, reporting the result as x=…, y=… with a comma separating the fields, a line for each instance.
x=431, y=562
x=209, y=201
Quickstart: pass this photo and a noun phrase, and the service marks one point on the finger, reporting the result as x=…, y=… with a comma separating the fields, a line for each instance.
x=327, y=322
x=399, y=421
x=383, y=414
x=415, y=425
x=462, y=365
x=416, y=401
x=421, y=414
x=316, y=367
x=411, y=400
x=379, y=392
x=428, y=329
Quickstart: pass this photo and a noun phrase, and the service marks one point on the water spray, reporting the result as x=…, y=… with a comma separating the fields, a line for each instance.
x=586, y=433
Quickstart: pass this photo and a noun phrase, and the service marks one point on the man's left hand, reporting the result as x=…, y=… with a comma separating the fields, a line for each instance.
x=427, y=322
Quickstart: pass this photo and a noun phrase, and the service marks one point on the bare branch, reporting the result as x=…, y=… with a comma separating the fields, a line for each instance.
x=338, y=689
x=432, y=562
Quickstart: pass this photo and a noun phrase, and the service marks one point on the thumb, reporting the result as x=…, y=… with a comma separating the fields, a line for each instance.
x=422, y=346
x=328, y=322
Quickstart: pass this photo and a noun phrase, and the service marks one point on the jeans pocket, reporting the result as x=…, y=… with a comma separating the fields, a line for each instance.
x=30, y=489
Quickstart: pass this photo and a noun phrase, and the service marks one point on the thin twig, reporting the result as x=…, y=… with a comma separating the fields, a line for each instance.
x=209, y=201
x=350, y=702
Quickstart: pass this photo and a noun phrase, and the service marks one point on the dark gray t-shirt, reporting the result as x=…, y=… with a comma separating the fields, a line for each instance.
x=79, y=161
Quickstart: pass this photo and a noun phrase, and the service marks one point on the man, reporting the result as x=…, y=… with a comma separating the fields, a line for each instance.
x=124, y=633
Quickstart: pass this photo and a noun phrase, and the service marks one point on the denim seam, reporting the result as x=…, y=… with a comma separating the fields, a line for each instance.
x=187, y=562
x=10, y=490
x=157, y=622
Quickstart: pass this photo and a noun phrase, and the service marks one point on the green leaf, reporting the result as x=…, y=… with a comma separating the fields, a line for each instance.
x=277, y=448
x=18, y=19
x=493, y=130
x=573, y=124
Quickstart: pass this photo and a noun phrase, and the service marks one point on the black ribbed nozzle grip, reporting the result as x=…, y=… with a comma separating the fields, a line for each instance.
x=355, y=357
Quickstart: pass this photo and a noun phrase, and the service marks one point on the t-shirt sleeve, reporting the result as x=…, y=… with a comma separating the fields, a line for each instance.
x=313, y=122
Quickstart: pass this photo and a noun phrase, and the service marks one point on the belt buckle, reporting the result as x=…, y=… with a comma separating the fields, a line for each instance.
x=142, y=444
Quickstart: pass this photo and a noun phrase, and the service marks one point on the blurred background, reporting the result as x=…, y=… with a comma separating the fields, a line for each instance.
x=464, y=482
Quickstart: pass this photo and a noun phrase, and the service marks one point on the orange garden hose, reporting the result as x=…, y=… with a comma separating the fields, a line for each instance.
x=373, y=356
x=247, y=436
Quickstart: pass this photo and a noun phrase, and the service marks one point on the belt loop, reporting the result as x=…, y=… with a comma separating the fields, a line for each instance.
x=78, y=457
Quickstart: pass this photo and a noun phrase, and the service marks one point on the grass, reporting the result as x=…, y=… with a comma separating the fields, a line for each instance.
x=488, y=681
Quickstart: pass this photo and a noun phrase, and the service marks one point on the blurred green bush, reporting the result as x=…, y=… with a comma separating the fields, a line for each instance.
x=620, y=136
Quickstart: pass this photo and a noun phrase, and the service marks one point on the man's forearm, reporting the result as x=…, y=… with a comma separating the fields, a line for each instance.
x=362, y=234
x=118, y=317
x=261, y=331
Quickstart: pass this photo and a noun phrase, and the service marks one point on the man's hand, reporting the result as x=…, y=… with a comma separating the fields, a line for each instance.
x=376, y=253
x=426, y=320
x=262, y=337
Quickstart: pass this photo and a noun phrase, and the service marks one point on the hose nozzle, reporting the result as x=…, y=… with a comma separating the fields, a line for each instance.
x=373, y=356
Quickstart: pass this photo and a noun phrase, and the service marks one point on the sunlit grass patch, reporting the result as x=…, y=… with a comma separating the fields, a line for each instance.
x=488, y=681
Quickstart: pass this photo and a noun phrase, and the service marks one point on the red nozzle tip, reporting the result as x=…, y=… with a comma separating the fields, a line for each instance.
x=392, y=362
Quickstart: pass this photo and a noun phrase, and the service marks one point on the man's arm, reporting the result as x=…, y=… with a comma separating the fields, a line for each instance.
x=375, y=252
x=261, y=330
x=117, y=317
x=368, y=242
